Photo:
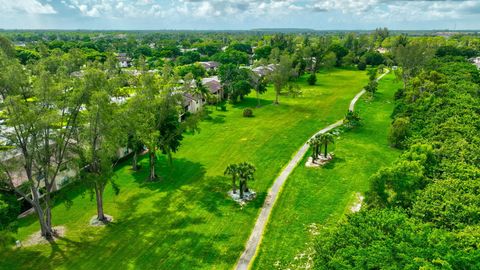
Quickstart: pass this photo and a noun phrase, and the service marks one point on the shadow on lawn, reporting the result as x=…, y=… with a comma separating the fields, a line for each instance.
x=331, y=165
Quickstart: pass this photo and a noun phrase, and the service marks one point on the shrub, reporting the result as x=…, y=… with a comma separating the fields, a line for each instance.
x=247, y=112
x=362, y=66
x=312, y=79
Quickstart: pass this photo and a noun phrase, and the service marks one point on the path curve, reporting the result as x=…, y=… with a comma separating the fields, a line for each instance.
x=257, y=233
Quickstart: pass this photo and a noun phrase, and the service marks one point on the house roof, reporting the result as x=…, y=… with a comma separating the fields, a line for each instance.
x=209, y=64
x=213, y=84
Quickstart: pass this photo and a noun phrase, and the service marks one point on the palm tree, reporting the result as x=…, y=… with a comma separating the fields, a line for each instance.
x=246, y=172
x=233, y=171
x=315, y=144
x=325, y=139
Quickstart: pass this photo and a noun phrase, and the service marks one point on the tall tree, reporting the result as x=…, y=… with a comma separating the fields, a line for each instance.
x=43, y=121
x=281, y=74
x=100, y=138
x=258, y=84
x=325, y=139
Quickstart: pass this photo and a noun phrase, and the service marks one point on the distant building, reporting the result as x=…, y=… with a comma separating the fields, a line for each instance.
x=123, y=60
x=210, y=65
x=264, y=70
x=382, y=50
x=213, y=85
x=475, y=61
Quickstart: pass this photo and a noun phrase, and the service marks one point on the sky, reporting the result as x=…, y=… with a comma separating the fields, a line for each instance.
x=240, y=14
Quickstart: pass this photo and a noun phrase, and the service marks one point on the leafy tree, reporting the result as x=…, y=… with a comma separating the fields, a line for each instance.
x=281, y=74
x=262, y=52
x=245, y=173
x=44, y=121
x=352, y=119
x=233, y=171
x=398, y=132
x=315, y=144
x=325, y=139
x=236, y=81
x=231, y=57
x=259, y=84
x=241, y=47
x=329, y=60
x=339, y=51
x=100, y=138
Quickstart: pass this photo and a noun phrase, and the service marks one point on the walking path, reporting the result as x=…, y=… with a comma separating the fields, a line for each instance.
x=254, y=240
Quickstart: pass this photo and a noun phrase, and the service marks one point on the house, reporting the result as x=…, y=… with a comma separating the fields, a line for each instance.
x=124, y=60
x=192, y=103
x=214, y=85
x=475, y=61
x=264, y=70
x=382, y=50
x=210, y=65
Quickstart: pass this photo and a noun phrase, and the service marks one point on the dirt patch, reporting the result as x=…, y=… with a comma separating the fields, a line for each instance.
x=95, y=222
x=358, y=203
x=247, y=196
x=319, y=162
x=37, y=238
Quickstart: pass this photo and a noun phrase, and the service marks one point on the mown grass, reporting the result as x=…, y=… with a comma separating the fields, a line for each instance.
x=186, y=220
x=315, y=197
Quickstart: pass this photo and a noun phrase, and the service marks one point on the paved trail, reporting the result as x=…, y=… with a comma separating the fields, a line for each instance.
x=256, y=235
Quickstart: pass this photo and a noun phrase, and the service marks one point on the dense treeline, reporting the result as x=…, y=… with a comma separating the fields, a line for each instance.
x=424, y=210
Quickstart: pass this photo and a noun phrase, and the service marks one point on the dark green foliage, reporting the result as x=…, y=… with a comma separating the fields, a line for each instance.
x=195, y=69
x=25, y=55
x=247, y=112
x=352, y=119
x=262, y=52
x=9, y=210
x=456, y=51
x=312, y=79
x=423, y=210
x=188, y=58
x=374, y=58
x=398, y=132
x=339, y=51
x=241, y=47
x=231, y=57
x=236, y=81
x=361, y=65
x=389, y=239
x=209, y=49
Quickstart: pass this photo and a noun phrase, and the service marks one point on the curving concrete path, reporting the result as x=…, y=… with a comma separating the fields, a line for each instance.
x=257, y=233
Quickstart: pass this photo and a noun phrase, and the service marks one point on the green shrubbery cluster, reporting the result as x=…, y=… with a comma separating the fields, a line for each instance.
x=424, y=210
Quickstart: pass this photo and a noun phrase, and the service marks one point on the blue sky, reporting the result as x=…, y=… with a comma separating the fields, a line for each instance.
x=239, y=14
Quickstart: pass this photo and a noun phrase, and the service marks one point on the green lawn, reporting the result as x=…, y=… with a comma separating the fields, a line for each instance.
x=315, y=197
x=187, y=221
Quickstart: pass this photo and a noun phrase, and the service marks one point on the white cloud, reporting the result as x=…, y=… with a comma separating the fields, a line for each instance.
x=26, y=6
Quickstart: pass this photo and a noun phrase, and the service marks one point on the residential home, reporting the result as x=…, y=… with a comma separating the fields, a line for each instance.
x=214, y=85
x=192, y=103
x=475, y=61
x=382, y=50
x=210, y=65
x=124, y=60
x=264, y=70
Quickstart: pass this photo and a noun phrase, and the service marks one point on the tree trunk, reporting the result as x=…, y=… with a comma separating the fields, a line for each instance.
x=326, y=144
x=152, y=166
x=99, y=197
x=276, y=97
x=135, y=161
x=45, y=228
x=245, y=186
x=234, y=188
x=241, y=189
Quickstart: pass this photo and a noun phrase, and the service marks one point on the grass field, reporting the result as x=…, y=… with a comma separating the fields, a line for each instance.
x=315, y=197
x=187, y=221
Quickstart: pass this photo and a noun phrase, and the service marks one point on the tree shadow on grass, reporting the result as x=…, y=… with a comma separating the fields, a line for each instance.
x=170, y=176
x=217, y=119
x=331, y=165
